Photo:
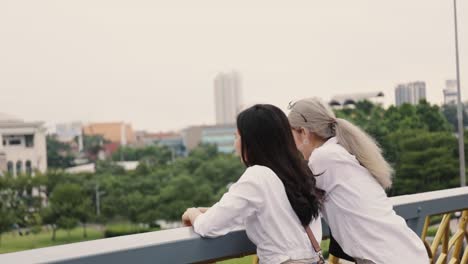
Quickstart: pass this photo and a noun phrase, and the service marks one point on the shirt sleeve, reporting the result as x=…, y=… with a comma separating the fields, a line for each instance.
x=243, y=199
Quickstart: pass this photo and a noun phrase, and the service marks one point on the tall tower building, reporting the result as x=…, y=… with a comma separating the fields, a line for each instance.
x=227, y=90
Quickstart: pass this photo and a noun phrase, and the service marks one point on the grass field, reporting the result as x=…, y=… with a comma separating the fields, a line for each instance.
x=12, y=242
x=244, y=260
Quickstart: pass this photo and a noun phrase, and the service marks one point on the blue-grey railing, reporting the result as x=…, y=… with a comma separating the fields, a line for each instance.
x=182, y=245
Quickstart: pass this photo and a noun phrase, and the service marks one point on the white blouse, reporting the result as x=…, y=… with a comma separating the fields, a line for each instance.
x=258, y=202
x=358, y=211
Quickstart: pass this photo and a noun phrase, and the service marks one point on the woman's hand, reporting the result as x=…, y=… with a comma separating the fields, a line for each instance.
x=186, y=219
x=189, y=216
x=203, y=209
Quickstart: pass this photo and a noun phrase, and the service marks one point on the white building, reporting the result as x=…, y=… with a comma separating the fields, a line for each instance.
x=227, y=89
x=410, y=93
x=22, y=146
x=450, y=92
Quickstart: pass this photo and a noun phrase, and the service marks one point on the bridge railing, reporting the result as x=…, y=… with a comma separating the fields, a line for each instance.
x=182, y=245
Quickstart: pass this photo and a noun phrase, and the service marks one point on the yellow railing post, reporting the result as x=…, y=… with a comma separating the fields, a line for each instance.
x=453, y=244
x=333, y=260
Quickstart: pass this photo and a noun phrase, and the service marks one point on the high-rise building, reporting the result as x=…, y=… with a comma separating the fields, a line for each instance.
x=227, y=90
x=450, y=92
x=410, y=93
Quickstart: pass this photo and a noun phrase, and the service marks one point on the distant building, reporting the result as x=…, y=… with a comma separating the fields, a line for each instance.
x=68, y=132
x=192, y=136
x=174, y=141
x=410, y=93
x=22, y=146
x=227, y=90
x=117, y=132
x=351, y=99
x=450, y=92
x=221, y=136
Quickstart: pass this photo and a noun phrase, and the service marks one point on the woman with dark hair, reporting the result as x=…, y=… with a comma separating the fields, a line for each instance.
x=275, y=199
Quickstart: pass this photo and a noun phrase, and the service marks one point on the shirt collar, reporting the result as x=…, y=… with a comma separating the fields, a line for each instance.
x=332, y=140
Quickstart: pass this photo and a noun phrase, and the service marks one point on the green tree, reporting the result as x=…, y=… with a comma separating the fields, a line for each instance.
x=432, y=116
x=84, y=213
x=149, y=156
x=59, y=154
x=17, y=193
x=109, y=167
x=423, y=161
x=50, y=217
x=416, y=140
x=92, y=145
x=182, y=192
x=68, y=202
x=7, y=215
x=7, y=219
x=450, y=113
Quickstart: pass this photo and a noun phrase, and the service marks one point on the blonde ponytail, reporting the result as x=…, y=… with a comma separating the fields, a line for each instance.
x=365, y=149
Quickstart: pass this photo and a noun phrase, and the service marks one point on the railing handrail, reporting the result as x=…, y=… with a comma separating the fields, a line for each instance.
x=182, y=245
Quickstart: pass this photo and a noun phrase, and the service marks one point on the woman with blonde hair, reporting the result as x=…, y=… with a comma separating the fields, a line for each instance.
x=354, y=175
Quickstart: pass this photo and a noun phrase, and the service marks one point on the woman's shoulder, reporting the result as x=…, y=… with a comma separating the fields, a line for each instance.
x=258, y=171
x=258, y=174
x=328, y=155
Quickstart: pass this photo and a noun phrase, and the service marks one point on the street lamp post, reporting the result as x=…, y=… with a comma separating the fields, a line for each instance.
x=461, y=128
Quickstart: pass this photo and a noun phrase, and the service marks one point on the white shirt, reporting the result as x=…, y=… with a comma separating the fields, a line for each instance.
x=358, y=211
x=258, y=202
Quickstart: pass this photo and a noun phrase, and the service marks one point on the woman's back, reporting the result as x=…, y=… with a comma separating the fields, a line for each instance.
x=359, y=212
x=258, y=202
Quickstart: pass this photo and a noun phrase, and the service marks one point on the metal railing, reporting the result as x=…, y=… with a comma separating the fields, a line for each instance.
x=182, y=245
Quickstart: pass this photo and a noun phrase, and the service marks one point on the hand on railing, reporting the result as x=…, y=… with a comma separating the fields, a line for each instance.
x=189, y=216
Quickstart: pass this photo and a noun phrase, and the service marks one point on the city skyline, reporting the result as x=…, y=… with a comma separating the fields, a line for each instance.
x=152, y=64
x=410, y=93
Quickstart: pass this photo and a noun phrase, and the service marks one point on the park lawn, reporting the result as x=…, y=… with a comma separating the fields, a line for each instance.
x=14, y=242
x=244, y=260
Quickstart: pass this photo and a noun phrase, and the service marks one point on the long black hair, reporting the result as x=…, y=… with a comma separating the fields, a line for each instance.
x=267, y=140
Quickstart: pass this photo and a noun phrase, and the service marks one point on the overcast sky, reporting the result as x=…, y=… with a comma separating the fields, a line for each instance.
x=152, y=63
